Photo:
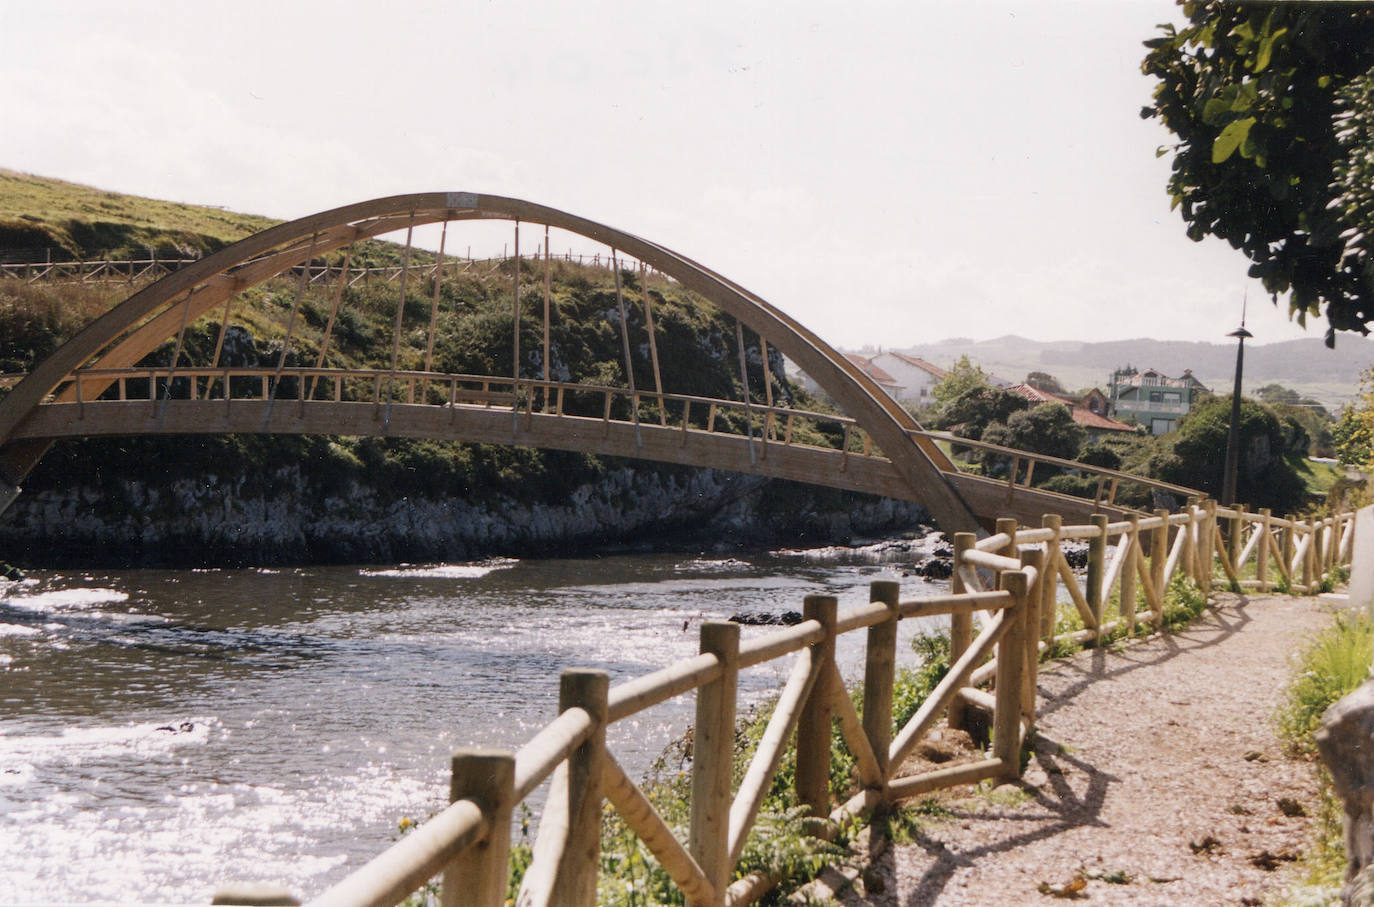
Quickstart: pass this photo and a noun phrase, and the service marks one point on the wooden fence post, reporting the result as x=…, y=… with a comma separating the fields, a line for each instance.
x=1159, y=554
x=1097, y=568
x=1262, y=549
x=960, y=625
x=567, y=854
x=1287, y=551
x=1207, y=547
x=1330, y=534
x=1309, y=561
x=1049, y=584
x=1034, y=558
x=880, y=663
x=713, y=749
x=1006, y=721
x=479, y=875
x=813, y=728
x=1234, y=538
x=1128, y=572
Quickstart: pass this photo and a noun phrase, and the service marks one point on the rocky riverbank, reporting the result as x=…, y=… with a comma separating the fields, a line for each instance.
x=209, y=521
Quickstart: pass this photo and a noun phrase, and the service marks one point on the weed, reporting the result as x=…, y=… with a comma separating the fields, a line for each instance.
x=1184, y=601
x=1335, y=662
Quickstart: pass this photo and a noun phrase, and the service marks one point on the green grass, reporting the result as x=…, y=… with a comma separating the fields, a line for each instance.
x=36, y=212
x=1333, y=663
x=1318, y=478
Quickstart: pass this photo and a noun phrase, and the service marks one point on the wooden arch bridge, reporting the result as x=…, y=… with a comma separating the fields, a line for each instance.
x=104, y=380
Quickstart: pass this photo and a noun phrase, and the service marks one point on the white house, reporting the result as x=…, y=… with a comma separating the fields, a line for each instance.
x=913, y=376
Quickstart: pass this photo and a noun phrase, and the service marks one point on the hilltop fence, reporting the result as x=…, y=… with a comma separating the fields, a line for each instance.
x=133, y=270
x=468, y=843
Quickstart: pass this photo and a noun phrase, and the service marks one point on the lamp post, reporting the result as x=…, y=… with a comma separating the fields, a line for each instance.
x=1228, y=479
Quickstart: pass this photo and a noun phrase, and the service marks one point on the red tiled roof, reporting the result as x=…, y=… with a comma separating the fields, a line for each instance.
x=1089, y=419
x=1081, y=414
x=1036, y=395
x=871, y=370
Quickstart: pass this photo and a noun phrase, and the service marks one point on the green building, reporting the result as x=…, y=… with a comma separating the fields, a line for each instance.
x=1153, y=398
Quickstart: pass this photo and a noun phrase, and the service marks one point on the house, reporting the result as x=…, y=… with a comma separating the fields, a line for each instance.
x=1089, y=411
x=879, y=376
x=1153, y=398
x=915, y=377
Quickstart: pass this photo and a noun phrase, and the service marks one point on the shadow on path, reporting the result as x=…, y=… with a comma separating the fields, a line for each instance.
x=1060, y=806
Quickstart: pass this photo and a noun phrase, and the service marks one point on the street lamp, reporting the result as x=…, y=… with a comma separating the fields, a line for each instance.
x=1228, y=479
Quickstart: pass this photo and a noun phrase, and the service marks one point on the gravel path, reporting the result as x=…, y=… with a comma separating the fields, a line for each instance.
x=1157, y=778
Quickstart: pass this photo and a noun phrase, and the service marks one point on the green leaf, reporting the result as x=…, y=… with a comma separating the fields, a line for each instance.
x=1247, y=95
x=1267, y=49
x=1230, y=139
x=1214, y=112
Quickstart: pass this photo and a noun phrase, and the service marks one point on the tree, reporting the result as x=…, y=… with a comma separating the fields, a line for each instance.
x=1198, y=455
x=1047, y=428
x=1273, y=107
x=1353, y=436
x=1307, y=422
x=961, y=378
x=975, y=409
x=1044, y=381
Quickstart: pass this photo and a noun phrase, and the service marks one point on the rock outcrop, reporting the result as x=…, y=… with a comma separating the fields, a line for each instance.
x=214, y=521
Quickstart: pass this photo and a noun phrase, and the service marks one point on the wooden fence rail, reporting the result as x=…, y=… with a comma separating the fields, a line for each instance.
x=467, y=844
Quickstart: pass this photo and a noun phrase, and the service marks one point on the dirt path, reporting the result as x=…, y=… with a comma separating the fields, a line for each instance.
x=1157, y=778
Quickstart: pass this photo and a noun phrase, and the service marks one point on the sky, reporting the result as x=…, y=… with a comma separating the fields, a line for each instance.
x=887, y=173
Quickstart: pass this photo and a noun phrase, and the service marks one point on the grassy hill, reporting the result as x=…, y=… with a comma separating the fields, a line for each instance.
x=38, y=214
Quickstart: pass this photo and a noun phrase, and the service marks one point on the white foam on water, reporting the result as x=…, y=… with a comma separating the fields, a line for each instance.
x=18, y=630
x=706, y=563
x=445, y=571
x=66, y=600
x=75, y=745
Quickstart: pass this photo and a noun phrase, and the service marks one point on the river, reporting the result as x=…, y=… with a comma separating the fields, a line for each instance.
x=166, y=731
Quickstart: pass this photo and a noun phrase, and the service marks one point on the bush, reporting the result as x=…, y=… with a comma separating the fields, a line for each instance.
x=1198, y=455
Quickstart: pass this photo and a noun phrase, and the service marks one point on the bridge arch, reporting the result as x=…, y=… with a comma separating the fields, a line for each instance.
x=58, y=398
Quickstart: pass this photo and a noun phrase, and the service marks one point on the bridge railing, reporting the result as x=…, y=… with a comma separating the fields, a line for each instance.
x=759, y=422
x=1021, y=465
x=467, y=844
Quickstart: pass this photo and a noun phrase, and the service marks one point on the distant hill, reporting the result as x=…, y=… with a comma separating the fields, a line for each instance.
x=1329, y=375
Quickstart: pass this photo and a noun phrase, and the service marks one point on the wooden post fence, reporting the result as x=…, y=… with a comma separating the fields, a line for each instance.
x=467, y=844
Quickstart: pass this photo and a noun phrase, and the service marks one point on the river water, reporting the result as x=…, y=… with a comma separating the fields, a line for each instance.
x=166, y=731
